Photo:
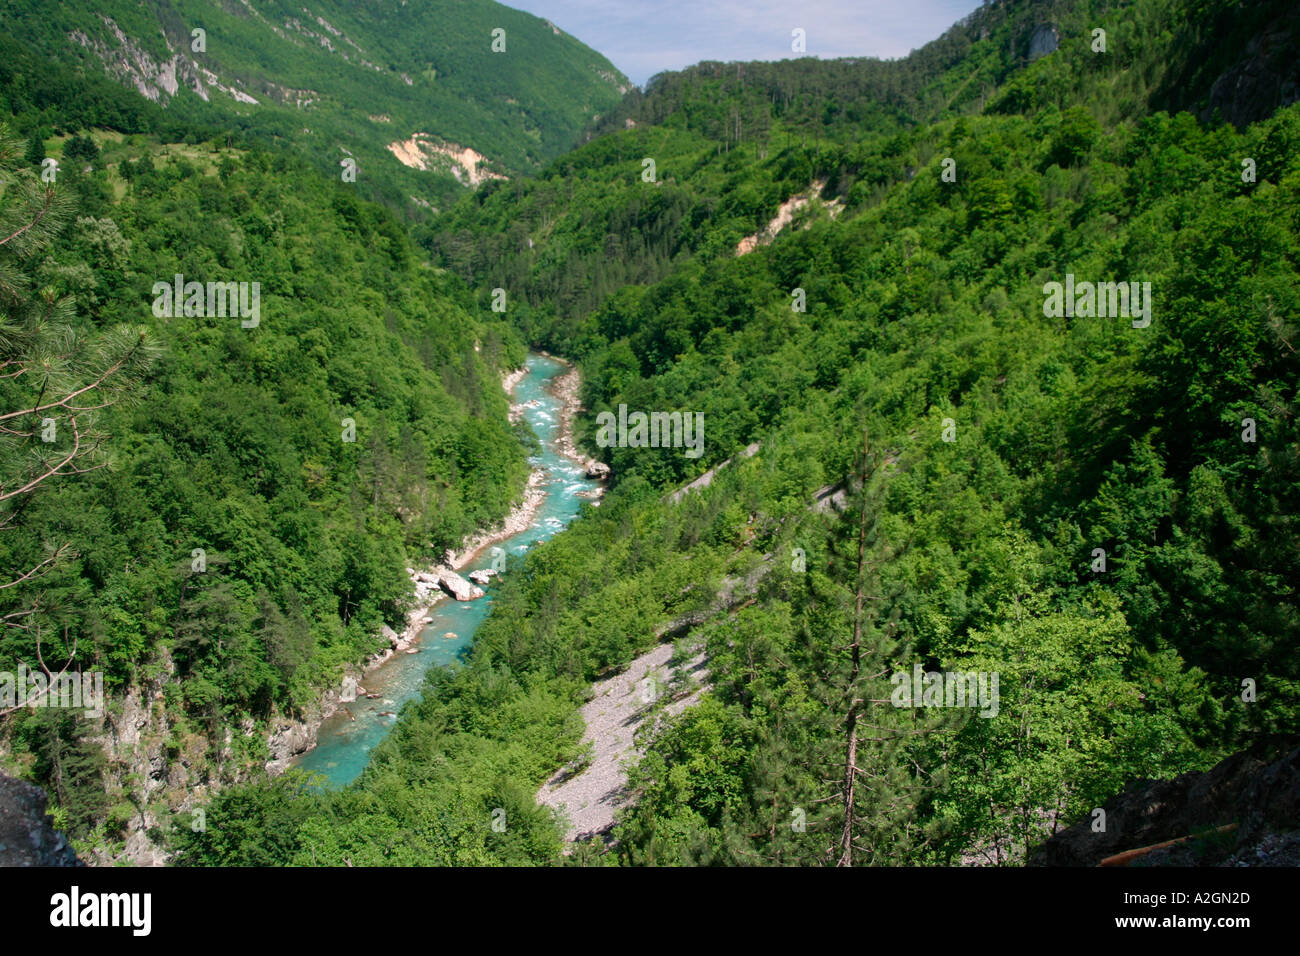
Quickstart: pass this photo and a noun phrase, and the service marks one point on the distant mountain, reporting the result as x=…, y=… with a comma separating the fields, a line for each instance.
x=414, y=92
x=735, y=142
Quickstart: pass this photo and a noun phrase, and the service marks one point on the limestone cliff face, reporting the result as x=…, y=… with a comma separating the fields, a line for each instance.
x=423, y=152
x=1255, y=792
x=154, y=77
x=1265, y=79
x=1240, y=64
x=168, y=774
x=162, y=769
x=27, y=836
x=1043, y=40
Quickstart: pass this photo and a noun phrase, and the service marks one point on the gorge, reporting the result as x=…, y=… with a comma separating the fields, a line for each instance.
x=345, y=739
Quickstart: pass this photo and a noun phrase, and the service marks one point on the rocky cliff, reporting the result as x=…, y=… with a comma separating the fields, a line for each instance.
x=1245, y=811
x=27, y=835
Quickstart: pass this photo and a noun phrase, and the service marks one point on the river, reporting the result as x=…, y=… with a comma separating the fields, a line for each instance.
x=346, y=738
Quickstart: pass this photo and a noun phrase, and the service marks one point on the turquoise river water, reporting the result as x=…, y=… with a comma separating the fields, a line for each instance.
x=346, y=739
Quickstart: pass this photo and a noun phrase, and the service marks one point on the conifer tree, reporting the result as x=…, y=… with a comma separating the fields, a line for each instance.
x=35, y=149
x=873, y=783
x=54, y=381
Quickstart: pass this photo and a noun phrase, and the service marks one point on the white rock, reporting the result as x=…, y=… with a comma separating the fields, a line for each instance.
x=457, y=586
x=349, y=691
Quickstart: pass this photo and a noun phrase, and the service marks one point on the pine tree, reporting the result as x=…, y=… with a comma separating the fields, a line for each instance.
x=54, y=380
x=35, y=154
x=69, y=765
x=54, y=377
x=866, y=744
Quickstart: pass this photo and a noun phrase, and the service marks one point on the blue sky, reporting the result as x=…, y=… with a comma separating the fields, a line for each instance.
x=643, y=37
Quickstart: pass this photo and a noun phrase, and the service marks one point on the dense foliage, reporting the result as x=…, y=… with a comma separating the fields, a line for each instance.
x=924, y=303
x=270, y=482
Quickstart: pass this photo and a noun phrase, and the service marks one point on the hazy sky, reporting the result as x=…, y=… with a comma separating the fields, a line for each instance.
x=643, y=37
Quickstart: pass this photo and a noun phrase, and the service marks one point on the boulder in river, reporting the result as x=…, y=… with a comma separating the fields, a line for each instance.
x=349, y=691
x=482, y=575
x=457, y=586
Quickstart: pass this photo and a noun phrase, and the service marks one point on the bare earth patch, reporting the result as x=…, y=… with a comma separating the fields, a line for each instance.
x=591, y=797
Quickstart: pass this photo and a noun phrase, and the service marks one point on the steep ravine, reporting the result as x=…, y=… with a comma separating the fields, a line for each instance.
x=442, y=632
x=165, y=775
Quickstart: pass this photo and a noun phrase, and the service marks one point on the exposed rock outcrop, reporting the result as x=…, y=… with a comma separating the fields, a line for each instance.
x=785, y=215
x=1238, y=62
x=1265, y=79
x=423, y=152
x=1043, y=40
x=129, y=62
x=590, y=794
x=27, y=834
x=1257, y=789
x=706, y=479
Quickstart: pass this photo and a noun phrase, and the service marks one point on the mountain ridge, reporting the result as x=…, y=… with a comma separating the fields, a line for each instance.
x=343, y=80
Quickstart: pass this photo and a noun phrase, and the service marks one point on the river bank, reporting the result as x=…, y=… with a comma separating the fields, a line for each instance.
x=348, y=719
x=567, y=389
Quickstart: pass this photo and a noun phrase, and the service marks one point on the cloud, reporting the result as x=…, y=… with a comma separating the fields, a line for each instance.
x=644, y=37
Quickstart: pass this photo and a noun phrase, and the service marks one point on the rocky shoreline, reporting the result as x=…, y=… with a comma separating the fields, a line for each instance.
x=566, y=388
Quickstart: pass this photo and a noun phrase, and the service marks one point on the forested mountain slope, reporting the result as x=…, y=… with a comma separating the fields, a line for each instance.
x=270, y=471
x=1099, y=509
x=404, y=89
x=721, y=135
